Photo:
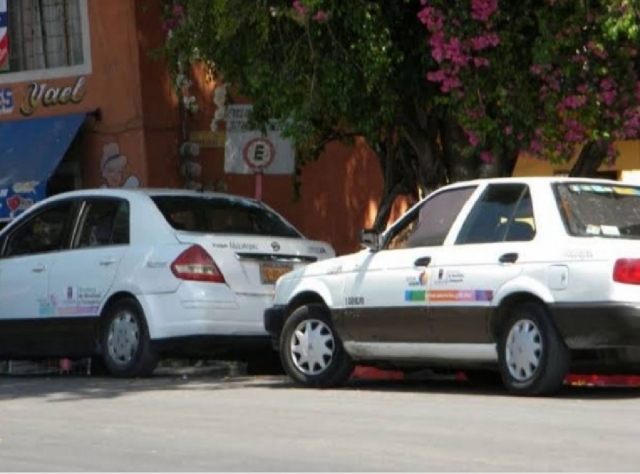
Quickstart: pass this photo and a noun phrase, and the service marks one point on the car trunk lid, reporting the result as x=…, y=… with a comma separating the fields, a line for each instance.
x=252, y=264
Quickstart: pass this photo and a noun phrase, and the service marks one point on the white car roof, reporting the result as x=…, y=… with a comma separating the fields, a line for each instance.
x=132, y=193
x=537, y=180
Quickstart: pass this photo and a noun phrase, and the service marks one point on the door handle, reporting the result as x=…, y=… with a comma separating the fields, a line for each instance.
x=107, y=261
x=422, y=262
x=38, y=268
x=508, y=258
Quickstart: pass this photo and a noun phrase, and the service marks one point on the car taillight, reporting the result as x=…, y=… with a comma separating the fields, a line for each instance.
x=196, y=264
x=627, y=270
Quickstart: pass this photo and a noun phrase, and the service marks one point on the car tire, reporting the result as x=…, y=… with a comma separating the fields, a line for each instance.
x=532, y=356
x=124, y=340
x=328, y=365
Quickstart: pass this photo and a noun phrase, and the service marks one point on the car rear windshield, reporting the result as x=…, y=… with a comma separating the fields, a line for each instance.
x=222, y=216
x=600, y=210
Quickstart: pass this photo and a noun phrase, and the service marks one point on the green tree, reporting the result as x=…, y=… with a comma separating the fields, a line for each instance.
x=441, y=90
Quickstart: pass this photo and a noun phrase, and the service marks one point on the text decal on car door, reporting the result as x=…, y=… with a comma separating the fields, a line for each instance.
x=354, y=300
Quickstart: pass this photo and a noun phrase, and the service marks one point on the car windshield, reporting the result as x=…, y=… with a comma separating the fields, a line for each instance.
x=600, y=210
x=222, y=215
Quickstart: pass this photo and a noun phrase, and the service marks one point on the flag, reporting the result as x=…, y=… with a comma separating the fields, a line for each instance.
x=4, y=36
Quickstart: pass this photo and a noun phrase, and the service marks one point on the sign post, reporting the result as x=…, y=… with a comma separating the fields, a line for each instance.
x=258, y=154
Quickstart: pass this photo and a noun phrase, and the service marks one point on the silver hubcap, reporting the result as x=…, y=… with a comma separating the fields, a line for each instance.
x=312, y=347
x=124, y=338
x=523, y=350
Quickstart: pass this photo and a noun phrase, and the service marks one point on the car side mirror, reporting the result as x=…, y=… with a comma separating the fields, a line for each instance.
x=370, y=238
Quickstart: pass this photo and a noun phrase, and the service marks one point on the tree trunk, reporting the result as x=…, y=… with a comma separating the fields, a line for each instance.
x=385, y=206
x=453, y=140
x=591, y=157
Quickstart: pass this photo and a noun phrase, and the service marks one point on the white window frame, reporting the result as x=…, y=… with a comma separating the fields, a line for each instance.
x=36, y=75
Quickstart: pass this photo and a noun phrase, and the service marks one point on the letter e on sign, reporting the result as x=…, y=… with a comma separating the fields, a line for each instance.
x=259, y=153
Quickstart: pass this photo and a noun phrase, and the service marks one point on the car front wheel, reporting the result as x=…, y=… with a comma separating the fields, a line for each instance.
x=125, y=343
x=533, y=357
x=311, y=352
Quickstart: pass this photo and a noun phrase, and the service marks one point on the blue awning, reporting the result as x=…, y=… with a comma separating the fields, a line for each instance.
x=30, y=152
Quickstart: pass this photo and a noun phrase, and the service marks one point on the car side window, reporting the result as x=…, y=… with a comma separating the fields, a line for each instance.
x=43, y=232
x=104, y=222
x=430, y=224
x=504, y=213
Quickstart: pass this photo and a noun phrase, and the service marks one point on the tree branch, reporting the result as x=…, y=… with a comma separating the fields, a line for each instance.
x=591, y=157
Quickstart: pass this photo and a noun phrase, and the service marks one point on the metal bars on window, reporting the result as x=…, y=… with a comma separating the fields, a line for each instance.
x=44, y=34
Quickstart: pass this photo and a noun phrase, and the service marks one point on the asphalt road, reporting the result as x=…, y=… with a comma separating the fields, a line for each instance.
x=263, y=424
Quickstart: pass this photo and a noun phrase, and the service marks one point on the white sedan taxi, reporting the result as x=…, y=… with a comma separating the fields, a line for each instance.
x=131, y=275
x=524, y=278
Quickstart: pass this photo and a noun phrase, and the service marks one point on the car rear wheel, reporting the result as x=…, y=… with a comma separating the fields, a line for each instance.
x=532, y=355
x=311, y=352
x=126, y=346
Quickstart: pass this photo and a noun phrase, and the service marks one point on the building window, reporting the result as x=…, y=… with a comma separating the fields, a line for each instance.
x=47, y=35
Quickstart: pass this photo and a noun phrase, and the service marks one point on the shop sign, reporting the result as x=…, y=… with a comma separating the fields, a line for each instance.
x=16, y=199
x=207, y=138
x=42, y=94
x=250, y=152
x=6, y=101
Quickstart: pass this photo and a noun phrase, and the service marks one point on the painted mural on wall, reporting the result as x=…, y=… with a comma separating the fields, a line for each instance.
x=113, y=165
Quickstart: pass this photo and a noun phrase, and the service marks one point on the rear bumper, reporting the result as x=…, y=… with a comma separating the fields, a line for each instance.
x=598, y=326
x=198, y=309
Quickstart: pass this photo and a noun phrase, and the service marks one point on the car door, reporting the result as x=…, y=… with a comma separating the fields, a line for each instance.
x=28, y=253
x=385, y=296
x=487, y=253
x=80, y=281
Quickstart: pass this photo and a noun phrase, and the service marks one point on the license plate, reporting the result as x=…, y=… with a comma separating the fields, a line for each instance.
x=270, y=272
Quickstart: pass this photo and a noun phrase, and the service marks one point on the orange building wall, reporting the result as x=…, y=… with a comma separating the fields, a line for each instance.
x=339, y=192
x=140, y=121
x=628, y=159
x=112, y=86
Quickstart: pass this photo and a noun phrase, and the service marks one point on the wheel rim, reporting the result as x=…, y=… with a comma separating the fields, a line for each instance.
x=124, y=338
x=312, y=347
x=523, y=350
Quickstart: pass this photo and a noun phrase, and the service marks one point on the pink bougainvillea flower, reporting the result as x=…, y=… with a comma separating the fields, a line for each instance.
x=473, y=138
x=320, y=16
x=481, y=10
x=608, y=97
x=487, y=157
x=449, y=83
x=436, y=76
x=431, y=18
x=300, y=8
x=485, y=41
x=178, y=9
x=574, y=102
x=536, y=69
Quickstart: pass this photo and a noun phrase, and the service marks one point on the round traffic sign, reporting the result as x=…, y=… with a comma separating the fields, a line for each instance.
x=259, y=153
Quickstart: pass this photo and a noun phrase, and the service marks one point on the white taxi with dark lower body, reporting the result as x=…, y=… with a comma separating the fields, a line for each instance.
x=526, y=278
x=131, y=275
